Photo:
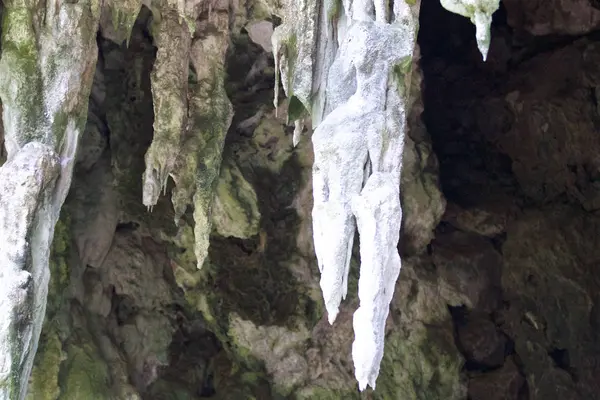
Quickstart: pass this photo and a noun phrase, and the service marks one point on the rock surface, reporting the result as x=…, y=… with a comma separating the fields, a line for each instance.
x=497, y=297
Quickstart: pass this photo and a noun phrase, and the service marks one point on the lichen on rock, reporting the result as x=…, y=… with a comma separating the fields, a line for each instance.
x=210, y=115
x=279, y=347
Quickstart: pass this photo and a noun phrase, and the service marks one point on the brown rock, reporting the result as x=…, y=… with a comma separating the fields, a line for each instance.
x=481, y=342
x=501, y=384
x=544, y=17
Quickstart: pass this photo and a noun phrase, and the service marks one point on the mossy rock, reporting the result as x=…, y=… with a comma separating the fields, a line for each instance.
x=235, y=209
x=422, y=364
x=43, y=383
x=84, y=375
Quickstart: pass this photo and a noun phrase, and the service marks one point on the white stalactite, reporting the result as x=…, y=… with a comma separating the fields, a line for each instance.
x=361, y=67
x=356, y=174
x=480, y=13
x=26, y=186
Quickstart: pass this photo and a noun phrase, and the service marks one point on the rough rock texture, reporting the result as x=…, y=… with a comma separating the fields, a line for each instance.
x=497, y=297
x=46, y=69
x=516, y=140
x=26, y=194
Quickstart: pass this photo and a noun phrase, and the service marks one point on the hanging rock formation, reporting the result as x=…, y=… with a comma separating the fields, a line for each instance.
x=498, y=293
x=46, y=70
x=480, y=13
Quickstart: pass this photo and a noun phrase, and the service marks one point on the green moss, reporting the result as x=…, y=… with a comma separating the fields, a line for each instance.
x=402, y=73
x=44, y=377
x=321, y=393
x=291, y=46
x=19, y=67
x=84, y=375
x=59, y=265
x=423, y=365
x=333, y=14
x=235, y=210
x=296, y=109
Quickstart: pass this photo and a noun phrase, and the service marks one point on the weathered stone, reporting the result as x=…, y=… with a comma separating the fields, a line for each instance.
x=559, y=17
x=278, y=347
x=422, y=200
x=469, y=264
x=490, y=221
x=505, y=383
x=551, y=299
x=481, y=342
x=260, y=33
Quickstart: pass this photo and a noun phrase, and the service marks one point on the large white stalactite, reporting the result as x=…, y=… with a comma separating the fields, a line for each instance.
x=356, y=174
x=360, y=118
x=352, y=72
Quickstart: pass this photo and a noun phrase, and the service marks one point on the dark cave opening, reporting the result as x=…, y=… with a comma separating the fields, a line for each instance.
x=516, y=140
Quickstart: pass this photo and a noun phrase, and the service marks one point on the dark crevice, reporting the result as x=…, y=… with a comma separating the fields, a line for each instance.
x=127, y=227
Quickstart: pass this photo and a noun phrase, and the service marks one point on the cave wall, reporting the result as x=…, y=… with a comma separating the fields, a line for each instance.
x=497, y=294
x=517, y=143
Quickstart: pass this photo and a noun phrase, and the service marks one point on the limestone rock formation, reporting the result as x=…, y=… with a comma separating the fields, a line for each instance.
x=46, y=67
x=480, y=13
x=170, y=104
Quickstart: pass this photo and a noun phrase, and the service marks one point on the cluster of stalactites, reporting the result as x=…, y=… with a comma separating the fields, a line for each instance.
x=360, y=64
x=191, y=116
x=356, y=176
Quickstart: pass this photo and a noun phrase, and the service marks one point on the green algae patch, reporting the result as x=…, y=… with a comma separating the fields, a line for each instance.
x=334, y=11
x=84, y=374
x=422, y=364
x=235, y=209
x=402, y=73
x=59, y=265
x=44, y=380
x=296, y=109
x=322, y=393
x=44, y=377
x=21, y=85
